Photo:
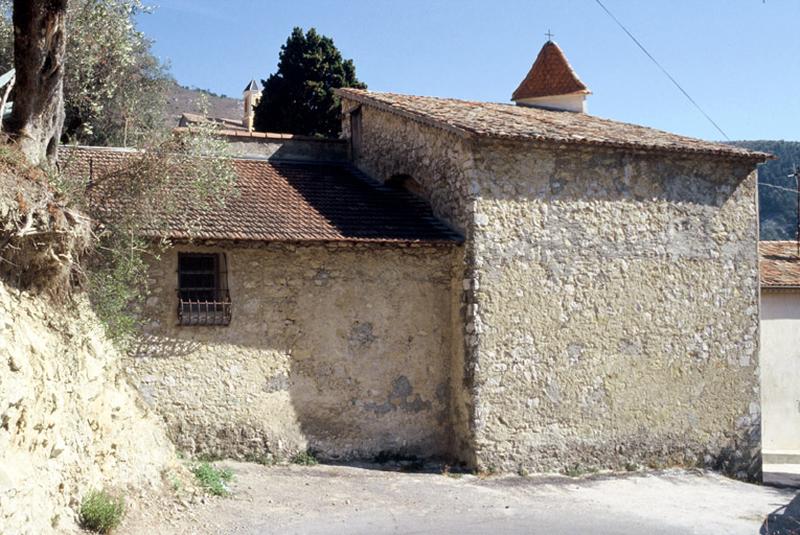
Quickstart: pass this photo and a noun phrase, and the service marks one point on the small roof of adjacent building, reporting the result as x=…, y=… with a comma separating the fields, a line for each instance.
x=551, y=74
x=233, y=129
x=518, y=123
x=223, y=123
x=780, y=264
x=287, y=201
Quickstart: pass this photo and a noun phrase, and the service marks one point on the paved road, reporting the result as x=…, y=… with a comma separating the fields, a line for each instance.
x=349, y=500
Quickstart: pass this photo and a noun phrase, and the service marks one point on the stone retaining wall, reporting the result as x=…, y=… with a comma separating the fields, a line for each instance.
x=70, y=422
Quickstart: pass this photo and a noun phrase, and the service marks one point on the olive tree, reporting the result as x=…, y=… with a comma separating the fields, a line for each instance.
x=39, y=48
x=192, y=168
x=114, y=89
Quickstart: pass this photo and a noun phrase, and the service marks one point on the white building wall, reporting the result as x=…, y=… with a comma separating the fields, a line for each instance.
x=780, y=380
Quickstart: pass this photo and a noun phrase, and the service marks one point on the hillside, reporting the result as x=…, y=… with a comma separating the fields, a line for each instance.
x=182, y=99
x=69, y=420
x=777, y=207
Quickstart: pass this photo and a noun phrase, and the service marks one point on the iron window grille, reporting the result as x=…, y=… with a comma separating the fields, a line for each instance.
x=203, y=297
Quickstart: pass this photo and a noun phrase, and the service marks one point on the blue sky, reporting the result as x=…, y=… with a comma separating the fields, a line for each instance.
x=740, y=59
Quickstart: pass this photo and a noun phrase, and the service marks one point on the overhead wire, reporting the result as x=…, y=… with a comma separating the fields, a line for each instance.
x=778, y=187
x=672, y=78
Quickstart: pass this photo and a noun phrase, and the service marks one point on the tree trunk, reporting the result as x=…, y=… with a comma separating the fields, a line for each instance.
x=39, y=45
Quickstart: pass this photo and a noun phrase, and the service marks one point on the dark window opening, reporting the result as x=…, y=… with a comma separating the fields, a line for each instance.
x=203, y=297
x=407, y=183
x=355, y=133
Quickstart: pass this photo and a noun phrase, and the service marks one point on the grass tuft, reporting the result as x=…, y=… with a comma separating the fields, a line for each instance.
x=101, y=512
x=213, y=479
x=305, y=458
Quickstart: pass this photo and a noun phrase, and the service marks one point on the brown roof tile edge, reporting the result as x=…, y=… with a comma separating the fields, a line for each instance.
x=779, y=265
x=781, y=287
x=247, y=243
x=265, y=135
x=363, y=97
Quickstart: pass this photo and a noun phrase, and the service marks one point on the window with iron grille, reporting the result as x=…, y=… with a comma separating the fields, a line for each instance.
x=203, y=297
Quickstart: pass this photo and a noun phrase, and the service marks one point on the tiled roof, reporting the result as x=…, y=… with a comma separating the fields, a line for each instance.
x=193, y=119
x=252, y=86
x=244, y=134
x=288, y=201
x=233, y=128
x=780, y=264
x=520, y=123
x=551, y=74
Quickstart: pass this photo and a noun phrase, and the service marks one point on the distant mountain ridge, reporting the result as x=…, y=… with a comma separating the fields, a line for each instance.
x=181, y=99
x=777, y=207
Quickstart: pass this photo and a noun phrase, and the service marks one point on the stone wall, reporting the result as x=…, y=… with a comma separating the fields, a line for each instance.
x=441, y=163
x=344, y=350
x=617, y=310
x=69, y=421
x=609, y=298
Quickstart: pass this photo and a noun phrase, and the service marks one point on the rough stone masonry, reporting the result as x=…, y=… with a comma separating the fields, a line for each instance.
x=336, y=349
x=609, y=297
x=601, y=310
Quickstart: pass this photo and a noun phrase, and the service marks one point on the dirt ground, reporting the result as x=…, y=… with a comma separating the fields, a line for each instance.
x=369, y=500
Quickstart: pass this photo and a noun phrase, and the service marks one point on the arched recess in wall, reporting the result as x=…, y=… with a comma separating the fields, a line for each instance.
x=406, y=182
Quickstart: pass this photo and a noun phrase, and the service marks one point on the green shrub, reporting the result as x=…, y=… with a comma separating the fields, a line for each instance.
x=101, y=512
x=305, y=458
x=213, y=479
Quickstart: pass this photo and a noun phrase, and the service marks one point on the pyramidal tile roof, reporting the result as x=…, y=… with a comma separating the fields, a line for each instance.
x=252, y=86
x=551, y=74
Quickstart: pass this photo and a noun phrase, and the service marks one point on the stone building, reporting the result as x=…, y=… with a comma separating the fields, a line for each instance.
x=507, y=286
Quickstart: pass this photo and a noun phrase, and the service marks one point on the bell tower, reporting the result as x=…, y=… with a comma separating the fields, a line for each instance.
x=551, y=83
x=251, y=97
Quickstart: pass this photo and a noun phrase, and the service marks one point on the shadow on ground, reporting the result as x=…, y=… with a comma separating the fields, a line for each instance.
x=783, y=521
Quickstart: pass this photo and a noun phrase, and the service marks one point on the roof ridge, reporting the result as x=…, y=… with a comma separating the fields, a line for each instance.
x=542, y=126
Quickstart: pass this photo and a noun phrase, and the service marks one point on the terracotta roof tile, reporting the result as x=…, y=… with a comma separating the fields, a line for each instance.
x=252, y=134
x=290, y=201
x=520, y=123
x=780, y=264
x=193, y=119
x=551, y=74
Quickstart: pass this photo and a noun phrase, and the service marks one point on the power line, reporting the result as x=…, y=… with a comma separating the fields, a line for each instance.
x=674, y=81
x=777, y=187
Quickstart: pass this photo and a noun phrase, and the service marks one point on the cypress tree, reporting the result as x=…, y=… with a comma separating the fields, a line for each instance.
x=299, y=97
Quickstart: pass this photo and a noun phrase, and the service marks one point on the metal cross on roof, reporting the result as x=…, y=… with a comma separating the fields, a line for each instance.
x=549, y=35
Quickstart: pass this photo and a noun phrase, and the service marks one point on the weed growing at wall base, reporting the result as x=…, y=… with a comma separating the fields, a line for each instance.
x=101, y=512
x=305, y=458
x=265, y=459
x=214, y=480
